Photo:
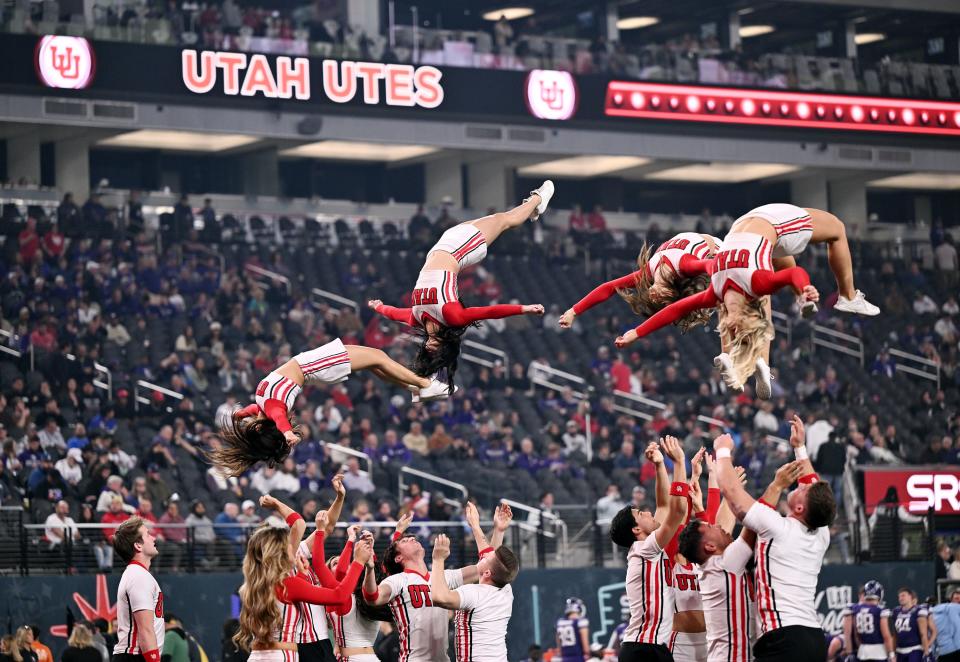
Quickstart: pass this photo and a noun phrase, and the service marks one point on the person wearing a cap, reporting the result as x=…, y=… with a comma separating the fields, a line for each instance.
x=248, y=513
x=71, y=467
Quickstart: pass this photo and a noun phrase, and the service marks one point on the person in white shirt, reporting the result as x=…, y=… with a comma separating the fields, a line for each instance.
x=790, y=553
x=140, y=626
x=60, y=526
x=353, y=479
x=483, y=610
x=723, y=582
x=649, y=570
x=609, y=504
x=71, y=467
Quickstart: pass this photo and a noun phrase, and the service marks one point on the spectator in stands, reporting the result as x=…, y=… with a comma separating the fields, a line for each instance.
x=113, y=488
x=418, y=228
x=22, y=644
x=28, y=241
x=884, y=364
x=182, y=218
x=575, y=441
x=830, y=459
x=502, y=34
x=946, y=262
x=946, y=617
x=627, y=461
x=577, y=223
x=51, y=438
x=943, y=561
x=114, y=516
x=248, y=514
x=545, y=507
x=923, y=304
x=439, y=440
x=610, y=503
x=414, y=440
x=71, y=467
x=354, y=480
x=204, y=536
x=79, y=439
x=527, y=459
x=68, y=215
x=311, y=480
x=59, y=526
x=227, y=530
x=157, y=487
x=94, y=214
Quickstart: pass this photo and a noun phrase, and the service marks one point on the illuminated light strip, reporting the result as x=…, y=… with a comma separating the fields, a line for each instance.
x=785, y=109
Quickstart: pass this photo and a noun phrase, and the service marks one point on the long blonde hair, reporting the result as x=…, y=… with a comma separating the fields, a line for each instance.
x=265, y=565
x=649, y=295
x=753, y=332
x=81, y=637
x=9, y=646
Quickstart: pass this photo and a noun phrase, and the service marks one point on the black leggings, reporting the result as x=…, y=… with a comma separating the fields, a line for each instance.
x=316, y=651
x=631, y=651
x=794, y=643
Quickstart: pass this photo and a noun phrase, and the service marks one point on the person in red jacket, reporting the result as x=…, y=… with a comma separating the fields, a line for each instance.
x=435, y=309
x=273, y=582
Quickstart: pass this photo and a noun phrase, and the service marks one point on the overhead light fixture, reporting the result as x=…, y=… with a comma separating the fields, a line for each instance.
x=747, y=31
x=180, y=141
x=582, y=167
x=344, y=150
x=868, y=38
x=509, y=13
x=919, y=180
x=722, y=173
x=636, y=22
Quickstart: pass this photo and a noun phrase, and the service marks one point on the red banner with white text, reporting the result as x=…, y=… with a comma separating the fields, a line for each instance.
x=918, y=489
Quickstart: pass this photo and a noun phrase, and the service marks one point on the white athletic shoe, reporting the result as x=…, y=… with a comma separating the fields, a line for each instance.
x=546, y=194
x=725, y=364
x=858, y=304
x=807, y=308
x=763, y=380
x=436, y=390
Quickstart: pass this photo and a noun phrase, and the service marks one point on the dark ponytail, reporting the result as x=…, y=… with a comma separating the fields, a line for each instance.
x=247, y=441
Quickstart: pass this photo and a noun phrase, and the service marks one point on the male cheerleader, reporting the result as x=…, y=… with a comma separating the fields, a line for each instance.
x=140, y=626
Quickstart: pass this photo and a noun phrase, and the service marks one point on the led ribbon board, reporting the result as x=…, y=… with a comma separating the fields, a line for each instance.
x=689, y=103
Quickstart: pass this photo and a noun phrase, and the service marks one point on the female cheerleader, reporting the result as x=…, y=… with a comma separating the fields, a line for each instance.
x=271, y=587
x=675, y=270
x=436, y=312
x=269, y=434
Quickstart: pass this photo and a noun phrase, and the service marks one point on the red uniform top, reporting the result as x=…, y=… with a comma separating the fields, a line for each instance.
x=297, y=589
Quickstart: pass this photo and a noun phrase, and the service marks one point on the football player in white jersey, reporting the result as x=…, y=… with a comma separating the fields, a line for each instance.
x=789, y=554
x=723, y=583
x=649, y=571
x=140, y=627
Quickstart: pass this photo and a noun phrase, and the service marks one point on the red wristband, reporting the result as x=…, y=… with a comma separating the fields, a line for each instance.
x=396, y=536
x=371, y=597
x=293, y=517
x=765, y=503
x=152, y=656
x=679, y=489
x=483, y=552
x=809, y=479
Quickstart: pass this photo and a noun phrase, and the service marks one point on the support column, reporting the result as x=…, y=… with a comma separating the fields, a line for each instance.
x=731, y=32
x=923, y=210
x=365, y=15
x=487, y=185
x=444, y=178
x=848, y=201
x=23, y=157
x=72, y=167
x=610, y=17
x=810, y=191
x=849, y=45
x=259, y=172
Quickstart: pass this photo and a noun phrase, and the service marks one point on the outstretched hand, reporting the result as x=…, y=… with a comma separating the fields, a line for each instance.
x=788, y=474
x=337, y=483
x=441, y=547
x=672, y=448
x=362, y=551
x=628, y=338
x=566, y=320
x=653, y=454
x=723, y=441
x=269, y=502
x=374, y=303
x=322, y=520
x=810, y=293
x=502, y=517
x=404, y=521
x=696, y=465
x=292, y=438
x=798, y=434
x=471, y=515
x=532, y=309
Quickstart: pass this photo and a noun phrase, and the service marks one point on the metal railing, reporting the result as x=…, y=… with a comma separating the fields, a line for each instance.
x=838, y=341
x=10, y=339
x=142, y=384
x=339, y=301
x=338, y=451
x=423, y=476
x=558, y=380
x=537, y=522
x=634, y=402
x=474, y=353
x=107, y=383
x=919, y=366
x=783, y=323
x=262, y=273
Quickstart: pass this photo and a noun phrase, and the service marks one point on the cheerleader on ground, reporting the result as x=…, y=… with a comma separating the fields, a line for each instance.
x=436, y=312
x=675, y=270
x=263, y=431
x=272, y=586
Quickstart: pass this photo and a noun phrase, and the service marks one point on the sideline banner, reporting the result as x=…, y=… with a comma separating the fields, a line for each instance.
x=919, y=489
x=204, y=602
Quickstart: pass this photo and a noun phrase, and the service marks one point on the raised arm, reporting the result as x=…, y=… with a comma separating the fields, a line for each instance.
x=373, y=594
x=677, y=509
x=690, y=266
x=402, y=315
x=246, y=412
x=336, y=507
x=713, y=491
x=296, y=589
x=725, y=519
x=669, y=315
x=696, y=494
x=768, y=282
x=290, y=516
x=501, y=522
x=730, y=487
x=598, y=295
x=457, y=315
x=440, y=592
x=798, y=440
x=662, y=492
x=784, y=478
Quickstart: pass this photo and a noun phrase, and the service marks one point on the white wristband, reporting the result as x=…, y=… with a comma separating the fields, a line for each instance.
x=800, y=452
x=723, y=452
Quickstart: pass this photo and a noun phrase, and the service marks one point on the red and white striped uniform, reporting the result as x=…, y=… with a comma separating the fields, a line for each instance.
x=789, y=559
x=481, y=622
x=422, y=628
x=464, y=242
x=723, y=589
x=328, y=364
x=138, y=591
x=290, y=624
x=650, y=593
x=793, y=225
x=742, y=255
x=687, y=646
x=352, y=630
x=435, y=288
x=313, y=617
x=673, y=250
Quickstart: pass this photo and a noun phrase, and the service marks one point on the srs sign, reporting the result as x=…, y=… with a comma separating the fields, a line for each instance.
x=918, y=490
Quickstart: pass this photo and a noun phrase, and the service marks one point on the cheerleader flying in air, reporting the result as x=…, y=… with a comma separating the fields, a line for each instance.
x=263, y=431
x=675, y=270
x=436, y=312
x=742, y=275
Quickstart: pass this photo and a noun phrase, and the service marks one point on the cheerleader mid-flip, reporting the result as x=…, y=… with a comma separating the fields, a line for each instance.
x=675, y=270
x=264, y=431
x=435, y=309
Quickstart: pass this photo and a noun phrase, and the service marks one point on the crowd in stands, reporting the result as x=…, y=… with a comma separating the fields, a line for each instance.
x=207, y=330
x=321, y=28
